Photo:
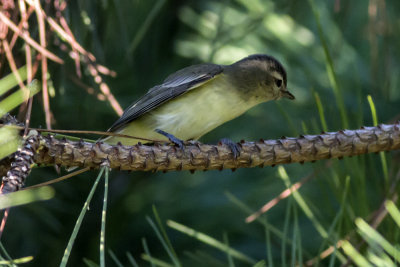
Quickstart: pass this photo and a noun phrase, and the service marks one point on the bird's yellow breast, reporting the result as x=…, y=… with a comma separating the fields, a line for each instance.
x=190, y=115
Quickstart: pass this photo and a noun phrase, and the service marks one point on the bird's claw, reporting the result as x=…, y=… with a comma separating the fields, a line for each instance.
x=178, y=142
x=235, y=148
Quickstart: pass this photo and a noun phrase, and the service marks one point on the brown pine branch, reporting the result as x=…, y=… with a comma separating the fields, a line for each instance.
x=198, y=156
x=20, y=166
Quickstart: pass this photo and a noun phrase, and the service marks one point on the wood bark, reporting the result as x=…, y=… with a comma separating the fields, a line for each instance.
x=198, y=156
x=194, y=156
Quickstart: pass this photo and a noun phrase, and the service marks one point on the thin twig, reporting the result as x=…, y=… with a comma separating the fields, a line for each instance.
x=377, y=217
x=93, y=68
x=284, y=194
x=42, y=37
x=29, y=40
x=14, y=69
x=59, y=179
x=22, y=24
x=100, y=133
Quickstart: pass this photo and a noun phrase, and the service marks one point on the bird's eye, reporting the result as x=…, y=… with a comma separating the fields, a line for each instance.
x=278, y=83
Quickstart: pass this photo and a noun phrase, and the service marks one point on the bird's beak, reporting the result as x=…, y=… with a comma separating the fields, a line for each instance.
x=287, y=94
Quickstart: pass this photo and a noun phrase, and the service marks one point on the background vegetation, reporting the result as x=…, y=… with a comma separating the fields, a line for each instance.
x=336, y=54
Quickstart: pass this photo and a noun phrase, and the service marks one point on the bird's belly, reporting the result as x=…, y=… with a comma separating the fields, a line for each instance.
x=197, y=112
x=188, y=116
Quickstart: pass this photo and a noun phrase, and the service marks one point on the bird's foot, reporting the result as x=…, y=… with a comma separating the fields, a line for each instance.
x=193, y=142
x=232, y=145
x=178, y=142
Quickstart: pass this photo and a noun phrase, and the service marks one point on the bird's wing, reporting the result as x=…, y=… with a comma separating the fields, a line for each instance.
x=173, y=86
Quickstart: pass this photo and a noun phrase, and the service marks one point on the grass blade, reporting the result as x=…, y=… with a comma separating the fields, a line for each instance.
x=278, y=233
x=169, y=246
x=147, y=255
x=17, y=98
x=358, y=259
x=4, y=251
x=131, y=260
x=320, y=108
x=393, y=211
x=10, y=81
x=260, y=264
x=9, y=140
x=17, y=261
x=381, y=154
x=210, y=241
x=103, y=219
x=144, y=27
x=90, y=263
x=268, y=246
x=230, y=259
x=302, y=203
x=115, y=259
x=78, y=223
x=163, y=242
x=330, y=69
x=285, y=231
x=25, y=197
x=156, y=262
x=373, y=238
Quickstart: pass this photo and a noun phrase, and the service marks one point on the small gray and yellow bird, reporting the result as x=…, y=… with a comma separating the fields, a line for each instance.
x=195, y=100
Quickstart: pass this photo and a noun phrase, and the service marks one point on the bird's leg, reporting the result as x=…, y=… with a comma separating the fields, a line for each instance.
x=171, y=138
x=232, y=145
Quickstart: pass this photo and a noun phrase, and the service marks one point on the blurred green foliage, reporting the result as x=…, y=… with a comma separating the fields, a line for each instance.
x=144, y=41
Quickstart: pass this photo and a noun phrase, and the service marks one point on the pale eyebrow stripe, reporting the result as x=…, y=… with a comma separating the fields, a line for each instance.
x=277, y=75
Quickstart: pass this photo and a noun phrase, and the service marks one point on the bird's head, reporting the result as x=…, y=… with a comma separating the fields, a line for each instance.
x=261, y=76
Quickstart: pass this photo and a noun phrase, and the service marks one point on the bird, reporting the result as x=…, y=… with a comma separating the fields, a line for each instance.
x=195, y=100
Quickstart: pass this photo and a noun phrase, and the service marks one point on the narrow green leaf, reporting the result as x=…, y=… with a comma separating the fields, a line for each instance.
x=78, y=223
x=90, y=263
x=372, y=236
x=17, y=261
x=6, y=254
x=10, y=140
x=261, y=263
x=169, y=246
x=330, y=68
x=230, y=259
x=145, y=26
x=296, y=247
x=333, y=239
x=393, y=211
x=24, y=197
x=210, y=241
x=358, y=259
x=146, y=249
x=10, y=81
x=204, y=259
x=163, y=242
x=381, y=259
x=156, y=262
x=373, y=110
x=103, y=220
x=115, y=259
x=381, y=154
x=278, y=233
x=288, y=118
x=302, y=203
x=286, y=230
x=131, y=259
x=320, y=108
x=17, y=98
x=268, y=247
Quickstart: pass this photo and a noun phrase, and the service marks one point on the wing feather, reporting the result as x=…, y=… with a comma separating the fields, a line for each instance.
x=173, y=86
